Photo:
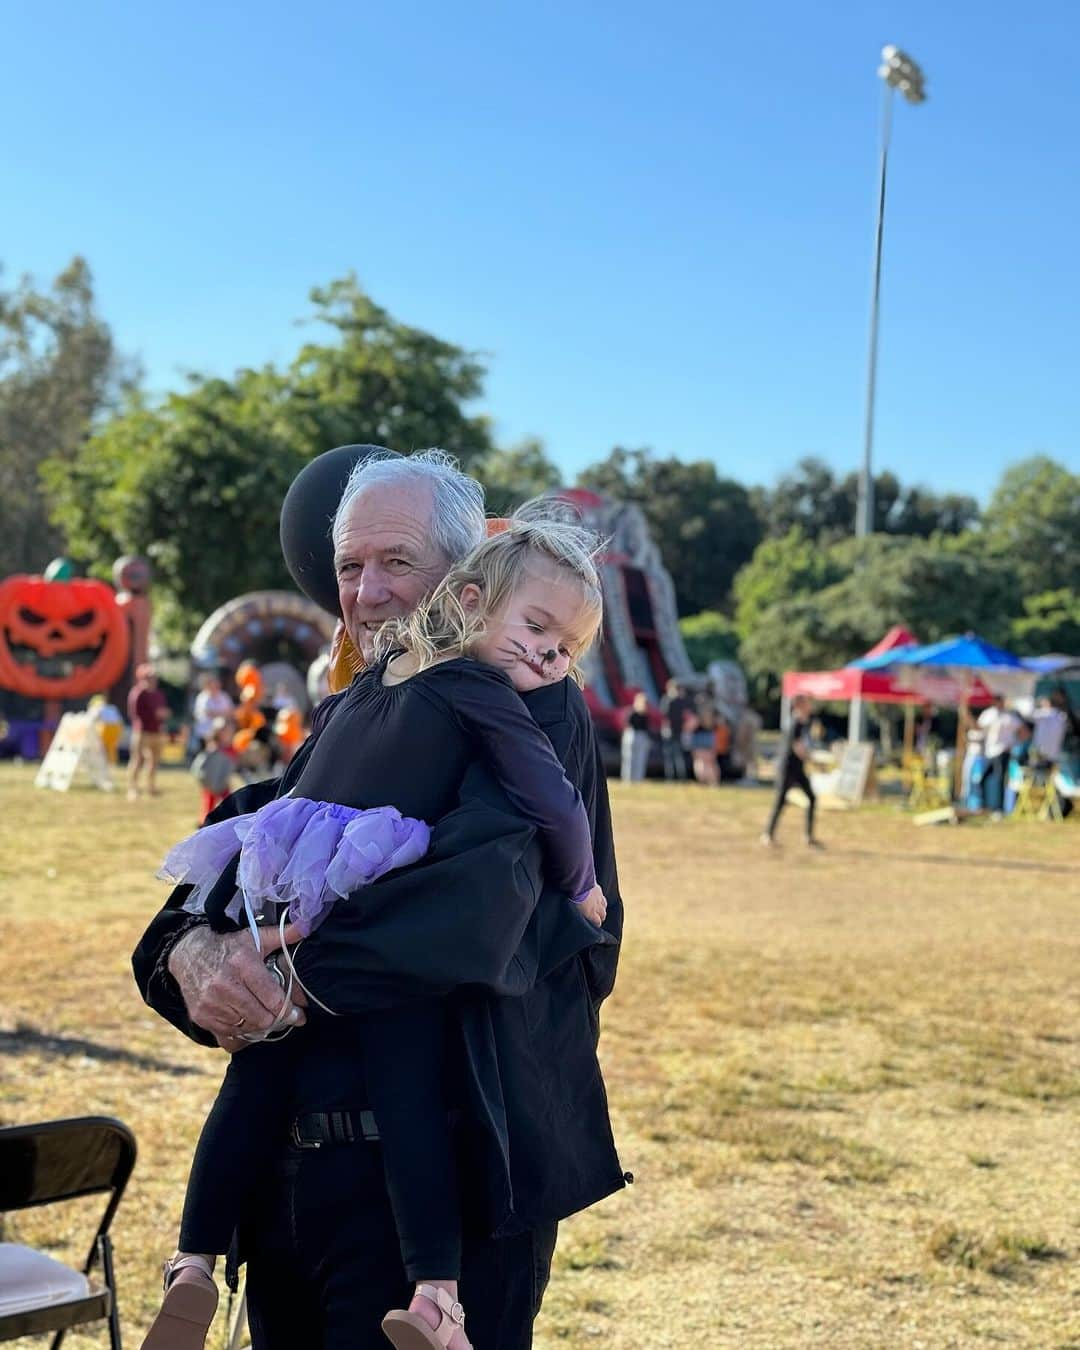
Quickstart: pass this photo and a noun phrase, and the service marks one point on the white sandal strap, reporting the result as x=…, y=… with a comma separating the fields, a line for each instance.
x=175, y=1264
x=452, y=1313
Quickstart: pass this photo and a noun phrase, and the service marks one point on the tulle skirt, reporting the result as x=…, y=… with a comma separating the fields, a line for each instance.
x=298, y=853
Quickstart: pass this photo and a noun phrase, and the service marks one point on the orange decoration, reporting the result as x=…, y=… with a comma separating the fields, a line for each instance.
x=249, y=681
x=60, y=639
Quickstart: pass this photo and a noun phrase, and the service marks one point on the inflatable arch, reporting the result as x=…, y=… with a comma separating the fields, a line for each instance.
x=266, y=627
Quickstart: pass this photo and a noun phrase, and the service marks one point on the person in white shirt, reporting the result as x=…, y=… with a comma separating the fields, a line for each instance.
x=1051, y=724
x=1000, y=728
x=212, y=704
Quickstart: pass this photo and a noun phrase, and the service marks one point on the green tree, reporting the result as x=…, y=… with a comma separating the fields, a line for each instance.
x=59, y=372
x=1034, y=520
x=515, y=475
x=705, y=526
x=936, y=587
x=709, y=636
x=196, y=482
x=813, y=499
x=382, y=381
x=781, y=569
x=1050, y=623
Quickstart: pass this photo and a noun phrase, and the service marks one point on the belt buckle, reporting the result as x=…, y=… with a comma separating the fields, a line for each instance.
x=298, y=1141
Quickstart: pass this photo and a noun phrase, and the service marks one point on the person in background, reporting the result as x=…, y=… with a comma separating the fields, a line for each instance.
x=999, y=726
x=791, y=772
x=635, y=741
x=1051, y=725
x=703, y=744
x=745, y=742
x=674, y=708
x=213, y=767
x=212, y=704
x=109, y=723
x=147, y=711
x=1020, y=756
x=722, y=747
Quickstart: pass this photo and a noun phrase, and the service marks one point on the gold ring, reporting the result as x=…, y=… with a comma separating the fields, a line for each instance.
x=240, y=1023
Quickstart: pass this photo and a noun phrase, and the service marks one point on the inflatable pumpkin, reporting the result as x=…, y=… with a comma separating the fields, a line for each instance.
x=61, y=639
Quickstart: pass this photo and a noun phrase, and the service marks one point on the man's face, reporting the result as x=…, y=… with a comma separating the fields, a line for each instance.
x=384, y=558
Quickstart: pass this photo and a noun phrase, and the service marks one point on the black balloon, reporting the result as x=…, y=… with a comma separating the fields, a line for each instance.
x=306, y=515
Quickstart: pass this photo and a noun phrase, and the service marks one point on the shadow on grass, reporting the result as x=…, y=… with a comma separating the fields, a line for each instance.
x=1008, y=1256
x=26, y=1040
x=954, y=860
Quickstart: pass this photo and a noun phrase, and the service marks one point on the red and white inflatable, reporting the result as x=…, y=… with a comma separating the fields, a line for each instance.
x=641, y=646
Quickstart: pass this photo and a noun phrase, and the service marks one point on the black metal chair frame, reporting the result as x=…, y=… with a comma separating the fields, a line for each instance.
x=84, y=1172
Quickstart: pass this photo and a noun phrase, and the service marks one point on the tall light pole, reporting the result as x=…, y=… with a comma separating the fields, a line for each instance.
x=898, y=71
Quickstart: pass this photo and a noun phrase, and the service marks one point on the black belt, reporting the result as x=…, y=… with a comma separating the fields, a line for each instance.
x=317, y=1128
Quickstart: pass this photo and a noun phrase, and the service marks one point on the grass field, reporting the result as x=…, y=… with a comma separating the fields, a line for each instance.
x=848, y=1083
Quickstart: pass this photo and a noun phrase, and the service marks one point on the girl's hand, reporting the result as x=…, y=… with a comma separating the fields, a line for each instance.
x=594, y=906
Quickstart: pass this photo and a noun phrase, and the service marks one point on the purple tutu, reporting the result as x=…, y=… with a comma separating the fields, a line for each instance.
x=295, y=852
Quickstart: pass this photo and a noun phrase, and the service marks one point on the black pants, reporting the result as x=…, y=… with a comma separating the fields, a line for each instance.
x=324, y=1264
x=792, y=774
x=674, y=758
x=402, y=1052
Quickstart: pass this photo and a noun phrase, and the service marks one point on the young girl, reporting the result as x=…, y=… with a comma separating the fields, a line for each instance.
x=516, y=614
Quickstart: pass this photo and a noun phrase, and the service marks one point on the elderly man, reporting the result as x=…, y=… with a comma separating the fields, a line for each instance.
x=323, y=1262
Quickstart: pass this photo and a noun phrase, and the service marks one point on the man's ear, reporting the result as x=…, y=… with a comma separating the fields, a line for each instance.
x=470, y=597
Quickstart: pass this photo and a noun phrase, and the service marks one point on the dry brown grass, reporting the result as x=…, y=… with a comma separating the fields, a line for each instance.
x=848, y=1083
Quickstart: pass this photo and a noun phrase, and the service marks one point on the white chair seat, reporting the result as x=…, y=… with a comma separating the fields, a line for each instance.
x=29, y=1279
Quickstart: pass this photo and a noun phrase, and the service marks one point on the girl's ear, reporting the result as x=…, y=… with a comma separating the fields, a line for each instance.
x=471, y=595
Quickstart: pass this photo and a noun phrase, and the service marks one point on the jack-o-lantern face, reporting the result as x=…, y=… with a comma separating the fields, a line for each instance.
x=60, y=639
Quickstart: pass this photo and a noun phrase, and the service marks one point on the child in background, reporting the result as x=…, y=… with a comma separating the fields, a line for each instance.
x=212, y=768
x=109, y=723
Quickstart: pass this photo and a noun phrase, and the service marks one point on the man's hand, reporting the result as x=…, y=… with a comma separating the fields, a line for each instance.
x=594, y=906
x=226, y=987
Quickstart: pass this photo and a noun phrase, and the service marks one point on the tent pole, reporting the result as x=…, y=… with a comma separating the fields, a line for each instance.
x=963, y=718
x=856, y=722
x=909, y=730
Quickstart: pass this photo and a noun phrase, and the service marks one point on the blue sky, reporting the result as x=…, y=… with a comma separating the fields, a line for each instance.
x=654, y=220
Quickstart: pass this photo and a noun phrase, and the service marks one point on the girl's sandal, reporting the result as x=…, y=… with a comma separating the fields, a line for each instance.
x=409, y=1332
x=188, y=1308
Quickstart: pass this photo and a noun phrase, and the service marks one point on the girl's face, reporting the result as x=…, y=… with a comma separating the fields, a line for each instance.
x=538, y=632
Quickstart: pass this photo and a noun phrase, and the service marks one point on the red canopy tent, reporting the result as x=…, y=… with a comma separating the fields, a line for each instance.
x=880, y=686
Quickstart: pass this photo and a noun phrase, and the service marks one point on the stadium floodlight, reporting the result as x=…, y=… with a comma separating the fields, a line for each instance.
x=899, y=72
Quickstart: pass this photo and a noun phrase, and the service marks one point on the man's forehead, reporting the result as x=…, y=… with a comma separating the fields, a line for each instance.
x=387, y=514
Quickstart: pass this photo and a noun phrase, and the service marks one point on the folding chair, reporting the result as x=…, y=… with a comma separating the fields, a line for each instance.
x=927, y=793
x=40, y=1165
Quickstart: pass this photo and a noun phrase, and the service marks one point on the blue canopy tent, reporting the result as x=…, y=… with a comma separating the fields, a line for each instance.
x=965, y=658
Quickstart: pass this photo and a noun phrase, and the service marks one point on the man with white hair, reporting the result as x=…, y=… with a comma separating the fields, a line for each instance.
x=323, y=1260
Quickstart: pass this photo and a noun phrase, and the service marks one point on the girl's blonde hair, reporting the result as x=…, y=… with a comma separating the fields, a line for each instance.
x=544, y=531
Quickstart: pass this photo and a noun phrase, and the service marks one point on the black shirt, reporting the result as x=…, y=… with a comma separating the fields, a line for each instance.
x=674, y=710
x=789, y=761
x=408, y=745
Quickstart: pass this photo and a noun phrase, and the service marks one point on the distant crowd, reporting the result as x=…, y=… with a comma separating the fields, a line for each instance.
x=1006, y=742
x=250, y=737
x=696, y=735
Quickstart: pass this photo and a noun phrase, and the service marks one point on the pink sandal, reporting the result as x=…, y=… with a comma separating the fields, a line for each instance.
x=409, y=1332
x=188, y=1308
